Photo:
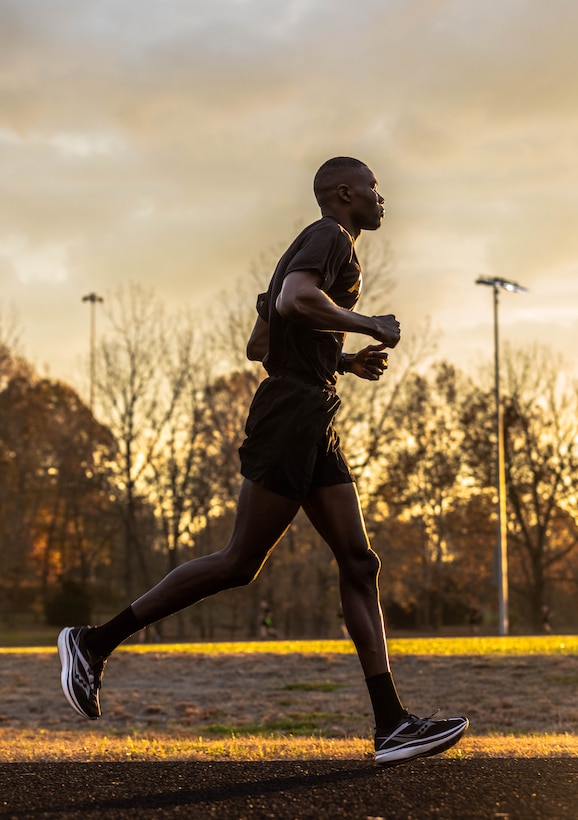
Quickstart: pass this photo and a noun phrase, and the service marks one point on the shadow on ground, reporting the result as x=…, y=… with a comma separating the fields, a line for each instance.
x=444, y=788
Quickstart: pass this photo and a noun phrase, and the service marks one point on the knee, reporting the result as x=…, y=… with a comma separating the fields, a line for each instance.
x=245, y=575
x=363, y=569
x=238, y=573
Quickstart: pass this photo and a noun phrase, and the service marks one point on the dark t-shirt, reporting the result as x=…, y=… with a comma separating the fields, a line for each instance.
x=327, y=249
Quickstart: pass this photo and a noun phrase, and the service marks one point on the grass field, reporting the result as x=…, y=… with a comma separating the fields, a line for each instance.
x=471, y=645
x=291, y=700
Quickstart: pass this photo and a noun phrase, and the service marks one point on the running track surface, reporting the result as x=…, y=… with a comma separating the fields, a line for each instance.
x=435, y=788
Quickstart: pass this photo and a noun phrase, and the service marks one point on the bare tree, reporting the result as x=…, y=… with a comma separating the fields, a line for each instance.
x=541, y=443
x=144, y=370
x=421, y=479
x=540, y=432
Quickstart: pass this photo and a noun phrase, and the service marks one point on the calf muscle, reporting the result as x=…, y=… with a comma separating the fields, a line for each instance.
x=261, y=521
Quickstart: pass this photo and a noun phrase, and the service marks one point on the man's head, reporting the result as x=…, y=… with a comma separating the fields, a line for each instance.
x=347, y=189
x=331, y=173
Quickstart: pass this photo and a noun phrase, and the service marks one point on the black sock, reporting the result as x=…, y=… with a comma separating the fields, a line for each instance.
x=103, y=639
x=387, y=707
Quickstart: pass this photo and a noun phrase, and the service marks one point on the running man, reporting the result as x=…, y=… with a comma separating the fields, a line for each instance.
x=291, y=459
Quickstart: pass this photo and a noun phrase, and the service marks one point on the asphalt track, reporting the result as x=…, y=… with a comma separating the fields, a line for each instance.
x=356, y=789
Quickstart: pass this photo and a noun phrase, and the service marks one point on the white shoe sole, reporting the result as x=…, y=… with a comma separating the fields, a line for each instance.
x=66, y=659
x=410, y=751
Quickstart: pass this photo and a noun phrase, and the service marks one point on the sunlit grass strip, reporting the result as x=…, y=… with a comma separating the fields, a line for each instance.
x=35, y=746
x=510, y=645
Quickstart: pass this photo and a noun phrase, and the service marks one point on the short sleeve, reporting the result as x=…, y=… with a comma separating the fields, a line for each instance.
x=263, y=306
x=325, y=251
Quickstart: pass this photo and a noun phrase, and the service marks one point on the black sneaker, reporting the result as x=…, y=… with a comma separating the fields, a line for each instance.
x=82, y=672
x=418, y=737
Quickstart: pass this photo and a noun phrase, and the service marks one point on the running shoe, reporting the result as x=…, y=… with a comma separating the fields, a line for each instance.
x=417, y=737
x=82, y=672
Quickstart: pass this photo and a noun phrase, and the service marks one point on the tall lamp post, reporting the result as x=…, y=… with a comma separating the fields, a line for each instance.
x=94, y=299
x=502, y=544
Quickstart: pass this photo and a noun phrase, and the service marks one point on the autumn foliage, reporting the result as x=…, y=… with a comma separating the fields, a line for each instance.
x=96, y=507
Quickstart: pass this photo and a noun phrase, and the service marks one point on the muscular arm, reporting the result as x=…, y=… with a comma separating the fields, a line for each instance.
x=302, y=301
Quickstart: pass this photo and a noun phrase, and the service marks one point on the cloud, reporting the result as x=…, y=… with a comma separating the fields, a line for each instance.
x=173, y=143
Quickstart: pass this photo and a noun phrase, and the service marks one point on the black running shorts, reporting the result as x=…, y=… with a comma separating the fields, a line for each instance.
x=291, y=443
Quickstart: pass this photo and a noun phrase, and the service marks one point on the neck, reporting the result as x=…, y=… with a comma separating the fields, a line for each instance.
x=343, y=220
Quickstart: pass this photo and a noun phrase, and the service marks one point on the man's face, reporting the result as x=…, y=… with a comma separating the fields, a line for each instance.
x=367, y=209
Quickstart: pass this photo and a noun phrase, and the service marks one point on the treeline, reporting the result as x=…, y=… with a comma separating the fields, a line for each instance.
x=97, y=506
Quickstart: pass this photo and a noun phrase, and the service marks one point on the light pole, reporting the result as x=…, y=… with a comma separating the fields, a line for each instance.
x=94, y=299
x=502, y=544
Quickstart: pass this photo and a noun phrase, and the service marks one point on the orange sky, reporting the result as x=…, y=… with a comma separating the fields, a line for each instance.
x=174, y=143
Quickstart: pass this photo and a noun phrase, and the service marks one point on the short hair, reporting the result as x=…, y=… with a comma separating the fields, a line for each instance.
x=327, y=176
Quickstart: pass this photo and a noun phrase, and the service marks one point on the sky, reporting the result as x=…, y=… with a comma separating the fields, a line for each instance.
x=173, y=143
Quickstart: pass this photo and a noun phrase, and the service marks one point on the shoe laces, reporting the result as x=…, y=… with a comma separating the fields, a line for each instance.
x=423, y=720
x=413, y=718
x=410, y=720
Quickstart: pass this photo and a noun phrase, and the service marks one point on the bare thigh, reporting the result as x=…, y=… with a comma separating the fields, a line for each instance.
x=261, y=520
x=335, y=512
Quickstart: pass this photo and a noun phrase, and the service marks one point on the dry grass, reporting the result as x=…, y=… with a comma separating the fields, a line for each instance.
x=204, y=703
x=27, y=746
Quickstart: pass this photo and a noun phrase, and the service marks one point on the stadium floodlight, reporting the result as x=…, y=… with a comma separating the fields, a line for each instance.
x=497, y=283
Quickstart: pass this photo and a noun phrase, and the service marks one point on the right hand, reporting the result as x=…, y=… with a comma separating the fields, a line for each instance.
x=369, y=363
x=387, y=330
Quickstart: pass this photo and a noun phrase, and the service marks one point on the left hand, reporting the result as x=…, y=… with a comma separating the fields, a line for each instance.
x=370, y=363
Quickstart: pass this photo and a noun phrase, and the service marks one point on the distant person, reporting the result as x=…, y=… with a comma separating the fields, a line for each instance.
x=547, y=619
x=475, y=619
x=291, y=459
x=266, y=628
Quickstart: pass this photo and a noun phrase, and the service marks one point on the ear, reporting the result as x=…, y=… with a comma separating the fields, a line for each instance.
x=343, y=192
